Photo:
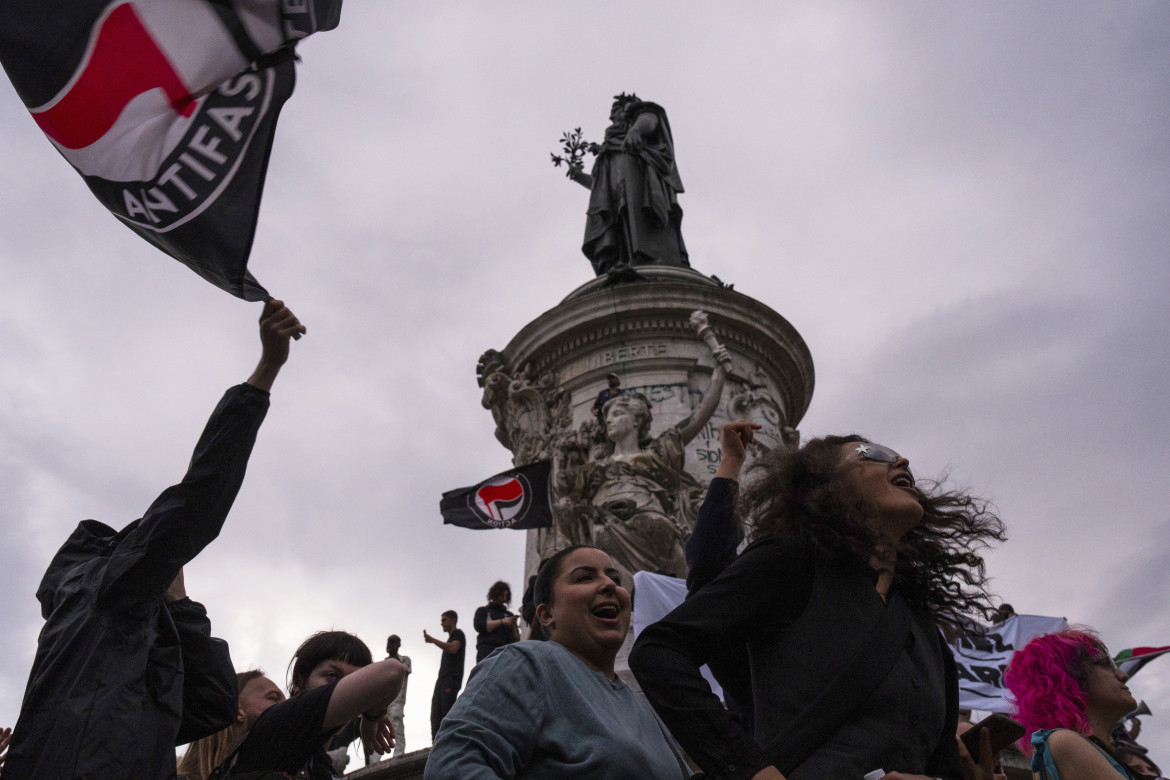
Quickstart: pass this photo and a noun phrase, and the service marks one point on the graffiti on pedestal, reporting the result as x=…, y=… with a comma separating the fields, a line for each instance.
x=631, y=479
x=629, y=492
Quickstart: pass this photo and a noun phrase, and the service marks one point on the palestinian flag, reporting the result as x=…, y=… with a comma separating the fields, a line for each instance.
x=167, y=109
x=1129, y=661
x=519, y=499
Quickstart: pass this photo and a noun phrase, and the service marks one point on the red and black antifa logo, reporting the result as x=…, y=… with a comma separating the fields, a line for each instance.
x=202, y=164
x=152, y=154
x=501, y=502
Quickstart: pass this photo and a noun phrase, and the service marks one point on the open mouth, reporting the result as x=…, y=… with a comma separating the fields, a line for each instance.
x=606, y=611
x=904, y=481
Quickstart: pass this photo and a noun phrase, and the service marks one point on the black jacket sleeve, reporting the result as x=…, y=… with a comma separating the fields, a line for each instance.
x=209, y=679
x=714, y=542
x=764, y=590
x=479, y=621
x=944, y=761
x=189, y=515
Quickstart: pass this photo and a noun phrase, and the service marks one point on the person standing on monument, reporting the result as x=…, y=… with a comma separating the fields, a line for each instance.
x=398, y=706
x=613, y=388
x=126, y=667
x=633, y=216
x=494, y=625
x=450, y=668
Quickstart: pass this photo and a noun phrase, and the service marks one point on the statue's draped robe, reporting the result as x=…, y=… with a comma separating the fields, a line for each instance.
x=634, y=217
x=642, y=506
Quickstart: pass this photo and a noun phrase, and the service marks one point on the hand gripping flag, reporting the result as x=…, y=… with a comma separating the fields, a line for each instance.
x=167, y=109
x=519, y=499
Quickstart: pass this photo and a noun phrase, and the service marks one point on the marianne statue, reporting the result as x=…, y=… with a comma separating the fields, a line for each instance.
x=633, y=218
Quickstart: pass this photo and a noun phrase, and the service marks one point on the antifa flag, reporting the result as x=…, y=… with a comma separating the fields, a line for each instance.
x=167, y=109
x=519, y=499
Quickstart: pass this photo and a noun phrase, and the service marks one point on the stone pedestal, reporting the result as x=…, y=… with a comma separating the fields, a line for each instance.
x=541, y=387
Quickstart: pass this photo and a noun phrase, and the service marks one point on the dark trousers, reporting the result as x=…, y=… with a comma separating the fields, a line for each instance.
x=446, y=689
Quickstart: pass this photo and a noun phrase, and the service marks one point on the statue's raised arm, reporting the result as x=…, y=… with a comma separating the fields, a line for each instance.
x=689, y=428
x=633, y=496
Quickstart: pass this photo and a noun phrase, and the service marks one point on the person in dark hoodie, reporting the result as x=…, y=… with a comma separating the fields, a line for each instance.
x=126, y=667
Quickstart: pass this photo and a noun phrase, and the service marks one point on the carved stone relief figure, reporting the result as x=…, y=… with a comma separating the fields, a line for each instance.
x=531, y=412
x=632, y=496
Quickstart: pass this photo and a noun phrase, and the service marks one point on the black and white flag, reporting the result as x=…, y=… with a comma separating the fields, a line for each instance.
x=167, y=109
x=518, y=499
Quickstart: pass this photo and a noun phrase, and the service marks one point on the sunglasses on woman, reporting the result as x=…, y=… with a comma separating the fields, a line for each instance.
x=871, y=451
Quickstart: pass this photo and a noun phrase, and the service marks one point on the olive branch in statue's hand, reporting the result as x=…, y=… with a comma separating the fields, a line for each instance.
x=575, y=147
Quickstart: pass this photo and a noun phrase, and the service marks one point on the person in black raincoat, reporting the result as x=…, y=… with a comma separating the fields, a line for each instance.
x=126, y=667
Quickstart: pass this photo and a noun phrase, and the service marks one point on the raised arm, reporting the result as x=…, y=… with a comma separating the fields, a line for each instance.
x=189, y=515
x=277, y=325
x=715, y=539
x=690, y=427
x=368, y=691
x=451, y=646
x=366, y=694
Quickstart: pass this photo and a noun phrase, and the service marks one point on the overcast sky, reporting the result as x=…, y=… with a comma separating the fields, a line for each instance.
x=964, y=208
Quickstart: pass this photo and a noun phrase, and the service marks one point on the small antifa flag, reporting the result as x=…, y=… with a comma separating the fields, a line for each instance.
x=519, y=499
x=1129, y=661
x=167, y=109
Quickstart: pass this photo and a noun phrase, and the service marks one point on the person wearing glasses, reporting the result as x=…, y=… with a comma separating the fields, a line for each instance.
x=853, y=568
x=1069, y=695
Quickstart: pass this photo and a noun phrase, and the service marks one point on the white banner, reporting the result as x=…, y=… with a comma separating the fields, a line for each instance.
x=656, y=595
x=981, y=660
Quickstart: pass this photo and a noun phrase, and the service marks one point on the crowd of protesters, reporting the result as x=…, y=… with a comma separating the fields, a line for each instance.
x=825, y=632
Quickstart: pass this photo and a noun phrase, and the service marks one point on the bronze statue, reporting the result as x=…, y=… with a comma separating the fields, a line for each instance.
x=633, y=218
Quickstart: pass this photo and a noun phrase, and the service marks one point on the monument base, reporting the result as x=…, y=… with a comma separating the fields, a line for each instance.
x=542, y=386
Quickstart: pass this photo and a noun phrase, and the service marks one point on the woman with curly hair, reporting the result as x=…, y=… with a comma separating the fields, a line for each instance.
x=1069, y=695
x=852, y=570
x=495, y=626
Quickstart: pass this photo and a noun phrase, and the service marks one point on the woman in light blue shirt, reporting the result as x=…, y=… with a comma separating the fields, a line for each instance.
x=557, y=709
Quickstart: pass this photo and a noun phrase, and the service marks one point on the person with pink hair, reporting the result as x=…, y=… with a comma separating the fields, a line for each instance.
x=1069, y=695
